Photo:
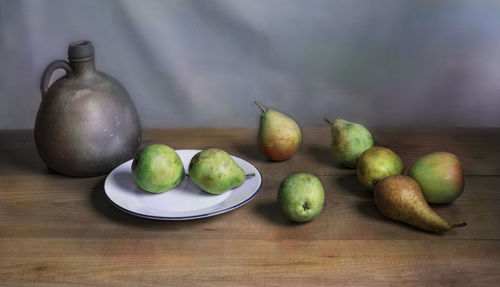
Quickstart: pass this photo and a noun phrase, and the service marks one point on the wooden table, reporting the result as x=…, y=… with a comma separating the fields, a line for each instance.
x=59, y=231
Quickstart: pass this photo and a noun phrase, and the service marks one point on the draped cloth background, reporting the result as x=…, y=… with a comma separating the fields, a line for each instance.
x=203, y=63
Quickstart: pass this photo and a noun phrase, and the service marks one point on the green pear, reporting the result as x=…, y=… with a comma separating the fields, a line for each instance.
x=301, y=197
x=157, y=168
x=399, y=197
x=349, y=141
x=375, y=164
x=440, y=175
x=215, y=171
x=279, y=135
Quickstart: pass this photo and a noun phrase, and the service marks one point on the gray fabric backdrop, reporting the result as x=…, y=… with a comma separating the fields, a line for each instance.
x=203, y=63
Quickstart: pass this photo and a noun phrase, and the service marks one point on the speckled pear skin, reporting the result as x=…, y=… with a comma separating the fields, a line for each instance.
x=399, y=197
x=279, y=135
x=157, y=168
x=349, y=141
x=440, y=175
x=215, y=171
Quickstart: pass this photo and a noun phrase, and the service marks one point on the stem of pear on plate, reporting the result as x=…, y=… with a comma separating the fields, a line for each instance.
x=261, y=107
x=328, y=121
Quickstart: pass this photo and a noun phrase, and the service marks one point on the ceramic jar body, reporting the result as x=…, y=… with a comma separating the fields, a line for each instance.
x=86, y=124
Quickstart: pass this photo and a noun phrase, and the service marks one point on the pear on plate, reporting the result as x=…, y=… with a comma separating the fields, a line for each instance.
x=399, y=197
x=215, y=171
x=279, y=135
x=349, y=141
x=157, y=168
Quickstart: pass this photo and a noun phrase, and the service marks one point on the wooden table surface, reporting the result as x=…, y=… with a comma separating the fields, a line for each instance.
x=60, y=231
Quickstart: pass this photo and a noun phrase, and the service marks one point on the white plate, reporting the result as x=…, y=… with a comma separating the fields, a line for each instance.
x=186, y=201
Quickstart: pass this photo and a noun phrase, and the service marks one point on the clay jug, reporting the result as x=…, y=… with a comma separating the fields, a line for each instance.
x=86, y=123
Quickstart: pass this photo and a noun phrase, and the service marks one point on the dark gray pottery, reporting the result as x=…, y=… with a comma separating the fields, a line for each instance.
x=86, y=123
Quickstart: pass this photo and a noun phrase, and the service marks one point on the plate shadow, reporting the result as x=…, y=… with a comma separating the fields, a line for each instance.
x=106, y=208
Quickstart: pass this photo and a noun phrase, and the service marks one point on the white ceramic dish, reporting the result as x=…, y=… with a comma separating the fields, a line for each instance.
x=184, y=202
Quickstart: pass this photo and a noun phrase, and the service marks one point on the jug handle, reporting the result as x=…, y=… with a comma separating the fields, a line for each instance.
x=47, y=74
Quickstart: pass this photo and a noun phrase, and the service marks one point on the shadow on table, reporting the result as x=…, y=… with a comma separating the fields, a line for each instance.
x=271, y=212
x=105, y=207
x=249, y=151
x=368, y=210
x=24, y=158
x=323, y=155
x=351, y=185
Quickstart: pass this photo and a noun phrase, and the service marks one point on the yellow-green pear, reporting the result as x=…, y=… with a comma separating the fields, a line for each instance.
x=215, y=171
x=375, y=164
x=157, y=168
x=440, y=176
x=279, y=135
x=349, y=141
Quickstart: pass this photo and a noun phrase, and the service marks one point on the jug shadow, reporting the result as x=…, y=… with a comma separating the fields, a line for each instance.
x=351, y=185
x=369, y=210
x=103, y=205
x=24, y=156
x=26, y=160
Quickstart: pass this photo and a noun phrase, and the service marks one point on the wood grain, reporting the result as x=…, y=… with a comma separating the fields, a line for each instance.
x=60, y=231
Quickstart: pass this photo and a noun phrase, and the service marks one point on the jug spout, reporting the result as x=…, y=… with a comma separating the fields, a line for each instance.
x=81, y=58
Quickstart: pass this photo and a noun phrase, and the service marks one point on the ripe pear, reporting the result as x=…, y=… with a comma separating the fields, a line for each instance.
x=157, y=168
x=440, y=175
x=279, y=135
x=399, y=197
x=349, y=141
x=215, y=171
x=301, y=197
x=375, y=164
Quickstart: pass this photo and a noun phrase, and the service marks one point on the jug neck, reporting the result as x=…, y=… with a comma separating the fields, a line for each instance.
x=83, y=68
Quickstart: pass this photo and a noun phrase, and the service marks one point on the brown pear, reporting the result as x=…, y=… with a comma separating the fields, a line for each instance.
x=399, y=197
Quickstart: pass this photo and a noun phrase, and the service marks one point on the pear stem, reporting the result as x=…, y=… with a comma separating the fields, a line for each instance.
x=261, y=107
x=459, y=225
x=328, y=121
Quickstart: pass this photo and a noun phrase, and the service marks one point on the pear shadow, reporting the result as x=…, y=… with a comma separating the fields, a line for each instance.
x=103, y=205
x=323, y=155
x=369, y=210
x=351, y=185
x=125, y=180
x=270, y=210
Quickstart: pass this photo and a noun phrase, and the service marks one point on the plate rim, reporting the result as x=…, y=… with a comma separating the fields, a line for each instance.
x=197, y=216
